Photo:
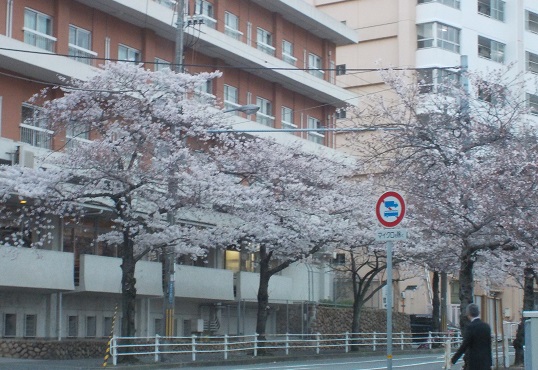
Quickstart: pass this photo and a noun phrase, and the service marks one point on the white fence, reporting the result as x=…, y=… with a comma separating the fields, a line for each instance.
x=228, y=345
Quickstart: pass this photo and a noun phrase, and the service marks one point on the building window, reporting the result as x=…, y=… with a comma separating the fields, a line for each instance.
x=128, y=54
x=10, y=325
x=38, y=30
x=231, y=25
x=340, y=113
x=231, y=98
x=490, y=49
x=451, y=3
x=72, y=326
x=315, y=65
x=341, y=69
x=315, y=136
x=492, y=8
x=287, y=118
x=30, y=326
x=531, y=21
x=339, y=259
x=91, y=326
x=455, y=292
x=265, y=114
x=287, y=53
x=264, y=41
x=160, y=64
x=80, y=44
x=439, y=35
x=436, y=80
x=532, y=62
x=532, y=103
x=33, y=129
x=491, y=93
x=204, y=92
x=157, y=323
x=205, y=9
x=107, y=327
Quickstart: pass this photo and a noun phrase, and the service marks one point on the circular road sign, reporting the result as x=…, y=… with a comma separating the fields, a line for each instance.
x=390, y=209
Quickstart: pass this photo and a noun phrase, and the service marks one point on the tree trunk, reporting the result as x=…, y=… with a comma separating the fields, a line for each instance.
x=436, y=303
x=128, y=289
x=466, y=285
x=355, y=323
x=528, y=305
x=263, y=295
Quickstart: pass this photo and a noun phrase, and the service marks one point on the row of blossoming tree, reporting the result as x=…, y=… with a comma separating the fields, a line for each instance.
x=463, y=150
x=153, y=154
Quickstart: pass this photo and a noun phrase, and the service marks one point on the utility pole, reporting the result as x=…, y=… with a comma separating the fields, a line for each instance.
x=169, y=289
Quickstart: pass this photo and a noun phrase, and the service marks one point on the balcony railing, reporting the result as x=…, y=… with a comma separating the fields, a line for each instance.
x=290, y=59
x=168, y=3
x=82, y=55
x=266, y=48
x=41, y=40
x=73, y=142
x=265, y=119
x=36, y=136
x=317, y=72
x=232, y=32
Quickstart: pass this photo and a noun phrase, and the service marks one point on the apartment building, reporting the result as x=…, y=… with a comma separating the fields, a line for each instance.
x=429, y=34
x=277, y=54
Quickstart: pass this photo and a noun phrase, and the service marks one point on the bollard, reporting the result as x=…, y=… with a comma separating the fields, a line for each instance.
x=448, y=351
x=107, y=352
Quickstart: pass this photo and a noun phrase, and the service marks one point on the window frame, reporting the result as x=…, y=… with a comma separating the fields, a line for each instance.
x=431, y=36
x=532, y=104
x=264, y=41
x=286, y=118
x=231, y=28
x=230, y=91
x=78, y=52
x=13, y=320
x=206, y=10
x=491, y=49
x=531, y=25
x=456, y=4
x=315, y=136
x=315, y=65
x=128, y=49
x=287, y=52
x=494, y=9
x=34, y=35
x=265, y=115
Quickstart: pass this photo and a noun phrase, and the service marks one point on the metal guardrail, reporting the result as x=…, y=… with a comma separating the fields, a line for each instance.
x=229, y=345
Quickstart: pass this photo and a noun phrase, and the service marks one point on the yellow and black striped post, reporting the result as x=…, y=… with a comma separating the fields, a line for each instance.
x=107, y=353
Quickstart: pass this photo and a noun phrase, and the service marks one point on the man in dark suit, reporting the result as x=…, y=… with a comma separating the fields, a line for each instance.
x=476, y=342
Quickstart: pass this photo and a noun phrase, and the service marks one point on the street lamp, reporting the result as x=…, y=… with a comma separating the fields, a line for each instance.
x=247, y=109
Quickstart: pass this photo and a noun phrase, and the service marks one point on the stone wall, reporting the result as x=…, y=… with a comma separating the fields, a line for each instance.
x=312, y=318
x=50, y=349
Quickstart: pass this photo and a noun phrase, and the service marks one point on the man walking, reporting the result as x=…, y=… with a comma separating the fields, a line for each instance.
x=476, y=342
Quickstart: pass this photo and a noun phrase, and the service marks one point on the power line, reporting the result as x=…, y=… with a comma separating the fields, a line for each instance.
x=221, y=66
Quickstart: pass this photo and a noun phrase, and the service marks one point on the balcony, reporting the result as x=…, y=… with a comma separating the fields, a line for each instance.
x=280, y=287
x=36, y=136
x=51, y=270
x=103, y=274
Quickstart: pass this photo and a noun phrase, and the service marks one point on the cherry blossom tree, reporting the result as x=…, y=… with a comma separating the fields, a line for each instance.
x=140, y=164
x=292, y=206
x=452, y=153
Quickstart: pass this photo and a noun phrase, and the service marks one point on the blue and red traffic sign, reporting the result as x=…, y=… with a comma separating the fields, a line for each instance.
x=390, y=209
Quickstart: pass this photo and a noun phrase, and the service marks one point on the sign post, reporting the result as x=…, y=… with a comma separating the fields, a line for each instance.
x=390, y=211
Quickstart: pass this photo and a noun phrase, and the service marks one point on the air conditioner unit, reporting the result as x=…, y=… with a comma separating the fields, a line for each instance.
x=27, y=158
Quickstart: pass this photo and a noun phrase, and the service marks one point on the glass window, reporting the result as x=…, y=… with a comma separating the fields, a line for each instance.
x=265, y=114
x=287, y=118
x=315, y=136
x=532, y=21
x=492, y=8
x=107, y=327
x=30, y=326
x=532, y=103
x=206, y=10
x=91, y=326
x=158, y=326
x=264, y=41
x=532, y=62
x=160, y=64
x=490, y=49
x=315, y=65
x=33, y=129
x=128, y=54
x=231, y=98
x=287, y=52
x=72, y=326
x=38, y=30
x=231, y=25
x=10, y=325
x=438, y=35
x=436, y=80
x=452, y=3
x=80, y=44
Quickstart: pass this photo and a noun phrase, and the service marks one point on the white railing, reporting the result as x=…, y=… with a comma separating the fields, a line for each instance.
x=266, y=48
x=36, y=136
x=82, y=55
x=41, y=40
x=228, y=345
x=232, y=32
